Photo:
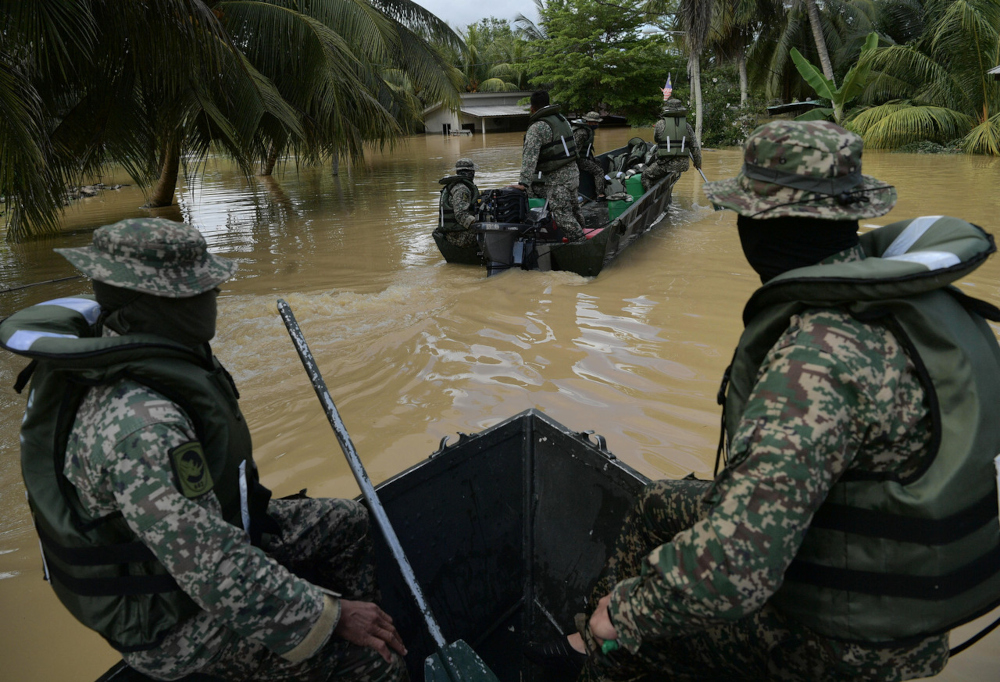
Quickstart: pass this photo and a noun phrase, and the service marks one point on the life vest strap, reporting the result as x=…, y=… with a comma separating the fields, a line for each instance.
x=106, y=555
x=925, y=587
x=876, y=524
x=125, y=585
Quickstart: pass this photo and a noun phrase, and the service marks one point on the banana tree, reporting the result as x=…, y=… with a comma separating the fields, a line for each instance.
x=850, y=89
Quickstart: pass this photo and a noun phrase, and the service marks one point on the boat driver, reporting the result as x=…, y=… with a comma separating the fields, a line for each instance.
x=155, y=530
x=459, y=205
x=548, y=165
x=855, y=520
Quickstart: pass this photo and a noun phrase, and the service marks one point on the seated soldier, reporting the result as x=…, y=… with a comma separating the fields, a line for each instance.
x=459, y=205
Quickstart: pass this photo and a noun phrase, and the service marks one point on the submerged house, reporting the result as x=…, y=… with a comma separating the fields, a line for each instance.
x=480, y=112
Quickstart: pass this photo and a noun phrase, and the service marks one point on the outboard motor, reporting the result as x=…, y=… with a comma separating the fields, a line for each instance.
x=525, y=244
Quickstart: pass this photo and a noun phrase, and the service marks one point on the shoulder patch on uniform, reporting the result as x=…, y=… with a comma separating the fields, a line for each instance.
x=191, y=468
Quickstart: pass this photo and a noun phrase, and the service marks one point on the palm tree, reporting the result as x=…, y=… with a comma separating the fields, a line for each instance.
x=89, y=83
x=483, y=62
x=695, y=18
x=936, y=87
x=817, y=30
x=735, y=26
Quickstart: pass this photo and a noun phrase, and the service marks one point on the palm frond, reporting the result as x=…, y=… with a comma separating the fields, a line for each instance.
x=895, y=124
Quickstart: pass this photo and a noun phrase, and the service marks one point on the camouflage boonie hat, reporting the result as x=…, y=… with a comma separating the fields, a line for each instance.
x=674, y=104
x=592, y=117
x=153, y=256
x=809, y=169
x=465, y=164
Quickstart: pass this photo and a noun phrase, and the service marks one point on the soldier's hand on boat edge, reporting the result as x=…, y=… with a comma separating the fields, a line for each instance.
x=600, y=622
x=365, y=624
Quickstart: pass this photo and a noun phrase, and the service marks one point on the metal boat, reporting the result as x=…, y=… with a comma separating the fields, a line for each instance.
x=506, y=531
x=607, y=236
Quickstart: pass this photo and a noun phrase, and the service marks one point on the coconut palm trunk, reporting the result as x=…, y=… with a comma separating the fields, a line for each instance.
x=163, y=192
x=270, y=162
x=694, y=66
x=741, y=65
x=817, y=30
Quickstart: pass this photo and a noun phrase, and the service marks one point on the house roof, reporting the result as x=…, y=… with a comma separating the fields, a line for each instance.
x=794, y=107
x=495, y=110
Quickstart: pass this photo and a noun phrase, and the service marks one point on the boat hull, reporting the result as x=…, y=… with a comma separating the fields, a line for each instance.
x=607, y=240
x=506, y=531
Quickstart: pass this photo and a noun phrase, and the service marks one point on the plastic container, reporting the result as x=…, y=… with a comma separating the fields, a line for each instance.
x=634, y=186
x=616, y=208
x=536, y=202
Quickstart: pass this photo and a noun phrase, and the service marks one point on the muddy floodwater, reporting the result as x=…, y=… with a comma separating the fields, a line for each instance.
x=414, y=349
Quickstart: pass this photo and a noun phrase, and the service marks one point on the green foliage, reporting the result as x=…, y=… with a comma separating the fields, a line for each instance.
x=936, y=87
x=88, y=83
x=595, y=56
x=851, y=87
x=493, y=58
x=726, y=123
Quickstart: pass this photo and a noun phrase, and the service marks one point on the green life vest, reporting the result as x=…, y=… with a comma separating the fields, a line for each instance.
x=108, y=579
x=446, y=214
x=586, y=151
x=562, y=149
x=887, y=559
x=672, y=142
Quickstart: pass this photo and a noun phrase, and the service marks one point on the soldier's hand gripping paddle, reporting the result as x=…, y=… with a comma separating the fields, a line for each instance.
x=455, y=662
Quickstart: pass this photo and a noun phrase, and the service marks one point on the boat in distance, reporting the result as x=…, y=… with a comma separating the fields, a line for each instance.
x=611, y=227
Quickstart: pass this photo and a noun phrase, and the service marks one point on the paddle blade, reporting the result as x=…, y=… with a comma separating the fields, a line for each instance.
x=457, y=662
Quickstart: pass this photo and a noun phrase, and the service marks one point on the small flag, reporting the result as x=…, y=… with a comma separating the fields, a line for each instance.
x=667, y=89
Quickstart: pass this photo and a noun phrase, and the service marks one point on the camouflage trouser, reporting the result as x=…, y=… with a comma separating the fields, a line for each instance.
x=593, y=167
x=762, y=646
x=655, y=171
x=564, y=207
x=325, y=541
x=463, y=238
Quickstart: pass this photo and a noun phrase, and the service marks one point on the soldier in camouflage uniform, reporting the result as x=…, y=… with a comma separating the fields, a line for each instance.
x=256, y=597
x=696, y=586
x=583, y=133
x=561, y=184
x=458, y=206
x=663, y=165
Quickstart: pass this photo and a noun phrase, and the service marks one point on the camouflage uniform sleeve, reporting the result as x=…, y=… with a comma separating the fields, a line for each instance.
x=694, y=146
x=538, y=134
x=823, y=389
x=461, y=198
x=211, y=560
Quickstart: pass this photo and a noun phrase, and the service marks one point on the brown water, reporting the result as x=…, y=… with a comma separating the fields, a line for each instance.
x=414, y=349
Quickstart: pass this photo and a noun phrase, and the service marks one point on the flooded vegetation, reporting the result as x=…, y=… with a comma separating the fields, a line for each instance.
x=414, y=350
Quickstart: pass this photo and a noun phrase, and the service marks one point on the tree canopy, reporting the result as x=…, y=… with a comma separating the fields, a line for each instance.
x=88, y=83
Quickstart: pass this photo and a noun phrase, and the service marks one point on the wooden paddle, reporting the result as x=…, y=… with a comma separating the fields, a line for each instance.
x=455, y=662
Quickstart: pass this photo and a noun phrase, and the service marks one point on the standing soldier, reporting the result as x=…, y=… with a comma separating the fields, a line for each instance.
x=583, y=134
x=855, y=521
x=675, y=141
x=459, y=206
x=548, y=165
x=138, y=465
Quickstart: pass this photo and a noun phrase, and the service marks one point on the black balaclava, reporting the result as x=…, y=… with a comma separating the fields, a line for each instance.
x=777, y=245
x=188, y=321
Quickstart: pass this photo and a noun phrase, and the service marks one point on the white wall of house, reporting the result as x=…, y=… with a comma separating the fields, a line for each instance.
x=474, y=114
